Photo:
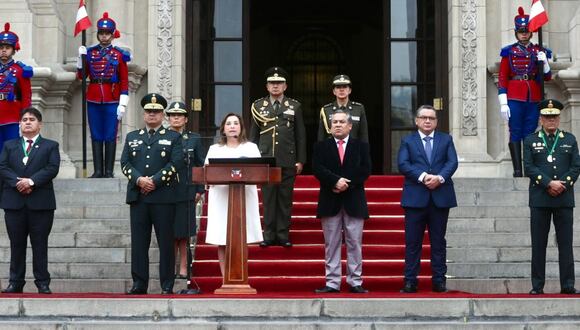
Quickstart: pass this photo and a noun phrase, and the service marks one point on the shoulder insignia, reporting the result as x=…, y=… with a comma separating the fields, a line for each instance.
x=141, y=132
x=126, y=54
x=27, y=71
x=292, y=100
x=505, y=50
x=355, y=103
x=162, y=131
x=327, y=105
x=561, y=135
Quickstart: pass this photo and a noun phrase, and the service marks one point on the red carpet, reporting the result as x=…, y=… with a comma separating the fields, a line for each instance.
x=300, y=269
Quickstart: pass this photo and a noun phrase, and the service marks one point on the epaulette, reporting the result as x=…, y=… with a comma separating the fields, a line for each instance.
x=292, y=100
x=90, y=48
x=327, y=105
x=355, y=103
x=548, y=52
x=260, y=99
x=506, y=50
x=27, y=71
x=126, y=54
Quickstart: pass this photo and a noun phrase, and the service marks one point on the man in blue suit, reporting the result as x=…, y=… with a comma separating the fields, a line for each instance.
x=428, y=159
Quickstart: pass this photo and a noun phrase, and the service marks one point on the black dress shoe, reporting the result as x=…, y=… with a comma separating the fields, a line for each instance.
x=571, y=290
x=358, y=289
x=285, y=244
x=11, y=288
x=439, y=287
x=266, y=243
x=181, y=276
x=137, y=290
x=326, y=289
x=409, y=288
x=44, y=289
x=536, y=291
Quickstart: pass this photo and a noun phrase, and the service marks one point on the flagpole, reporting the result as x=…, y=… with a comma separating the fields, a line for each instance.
x=541, y=64
x=84, y=104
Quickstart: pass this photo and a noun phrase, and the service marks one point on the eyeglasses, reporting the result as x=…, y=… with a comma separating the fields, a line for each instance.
x=427, y=118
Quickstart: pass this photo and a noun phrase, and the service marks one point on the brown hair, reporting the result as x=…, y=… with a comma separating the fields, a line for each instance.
x=241, y=138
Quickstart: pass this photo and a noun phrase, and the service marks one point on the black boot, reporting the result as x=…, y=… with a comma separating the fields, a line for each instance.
x=110, y=159
x=516, y=153
x=97, y=159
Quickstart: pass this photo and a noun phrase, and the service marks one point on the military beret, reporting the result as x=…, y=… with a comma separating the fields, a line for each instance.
x=341, y=80
x=177, y=108
x=276, y=74
x=153, y=102
x=550, y=107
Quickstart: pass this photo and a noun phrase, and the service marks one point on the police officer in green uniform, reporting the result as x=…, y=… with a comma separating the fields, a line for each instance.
x=341, y=88
x=278, y=130
x=552, y=162
x=187, y=194
x=150, y=160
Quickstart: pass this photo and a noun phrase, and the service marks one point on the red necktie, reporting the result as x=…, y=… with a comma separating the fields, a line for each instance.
x=29, y=146
x=341, y=150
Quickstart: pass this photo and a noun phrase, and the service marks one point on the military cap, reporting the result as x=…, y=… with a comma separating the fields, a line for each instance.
x=276, y=74
x=8, y=37
x=550, y=107
x=153, y=102
x=106, y=23
x=521, y=21
x=176, y=108
x=341, y=80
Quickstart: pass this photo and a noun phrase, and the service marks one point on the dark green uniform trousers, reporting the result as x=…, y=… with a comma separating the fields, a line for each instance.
x=278, y=206
x=540, y=228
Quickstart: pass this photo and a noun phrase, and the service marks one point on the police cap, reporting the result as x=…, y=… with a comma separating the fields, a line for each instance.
x=176, y=108
x=341, y=80
x=153, y=102
x=550, y=107
x=276, y=74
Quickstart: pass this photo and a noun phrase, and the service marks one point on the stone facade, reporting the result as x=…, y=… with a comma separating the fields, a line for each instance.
x=477, y=30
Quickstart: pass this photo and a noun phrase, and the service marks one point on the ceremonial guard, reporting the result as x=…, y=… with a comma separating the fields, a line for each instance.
x=187, y=194
x=15, y=91
x=521, y=69
x=552, y=163
x=107, y=93
x=278, y=130
x=341, y=88
x=151, y=159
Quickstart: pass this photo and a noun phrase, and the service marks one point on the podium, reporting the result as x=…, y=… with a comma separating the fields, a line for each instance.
x=236, y=175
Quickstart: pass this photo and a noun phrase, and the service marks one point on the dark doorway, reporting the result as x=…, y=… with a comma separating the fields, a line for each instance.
x=314, y=41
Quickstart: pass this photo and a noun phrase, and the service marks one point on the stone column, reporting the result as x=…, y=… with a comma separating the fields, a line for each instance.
x=468, y=87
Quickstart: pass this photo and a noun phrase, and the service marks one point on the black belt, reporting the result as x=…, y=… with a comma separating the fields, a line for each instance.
x=101, y=81
x=524, y=77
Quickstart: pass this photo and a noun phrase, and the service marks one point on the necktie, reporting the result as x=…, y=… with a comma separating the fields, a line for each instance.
x=428, y=148
x=341, y=150
x=276, y=106
x=151, y=132
x=29, y=146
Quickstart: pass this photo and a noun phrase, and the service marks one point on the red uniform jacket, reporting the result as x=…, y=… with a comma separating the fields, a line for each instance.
x=107, y=70
x=15, y=91
x=519, y=72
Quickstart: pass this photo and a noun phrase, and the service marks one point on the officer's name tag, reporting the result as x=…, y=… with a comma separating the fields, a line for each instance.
x=565, y=146
x=165, y=142
x=355, y=118
x=289, y=112
x=135, y=143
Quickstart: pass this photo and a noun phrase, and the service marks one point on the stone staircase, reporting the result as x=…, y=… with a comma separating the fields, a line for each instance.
x=488, y=239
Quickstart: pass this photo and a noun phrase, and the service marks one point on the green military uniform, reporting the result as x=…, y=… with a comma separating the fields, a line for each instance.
x=357, y=113
x=159, y=156
x=278, y=130
x=547, y=158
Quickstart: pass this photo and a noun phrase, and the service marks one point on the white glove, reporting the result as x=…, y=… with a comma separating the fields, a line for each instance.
x=123, y=101
x=79, y=63
x=504, y=109
x=82, y=51
x=542, y=57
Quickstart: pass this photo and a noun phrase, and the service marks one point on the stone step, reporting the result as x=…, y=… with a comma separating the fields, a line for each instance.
x=499, y=270
x=497, y=239
x=501, y=254
x=85, y=226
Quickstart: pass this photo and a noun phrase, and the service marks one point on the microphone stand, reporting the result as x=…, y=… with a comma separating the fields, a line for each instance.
x=189, y=289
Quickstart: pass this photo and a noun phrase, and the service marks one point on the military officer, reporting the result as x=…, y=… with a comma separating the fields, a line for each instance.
x=520, y=86
x=278, y=130
x=187, y=195
x=107, y=93
x=15, y=91
x=552, y=162
x=151, y=159
x=341, y=88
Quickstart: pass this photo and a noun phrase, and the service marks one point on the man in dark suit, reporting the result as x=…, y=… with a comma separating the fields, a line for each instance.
x=152, y=156
x=552, y=163
x=278, y=130
x=342, y=164
x=427, y=159
x=27, y=167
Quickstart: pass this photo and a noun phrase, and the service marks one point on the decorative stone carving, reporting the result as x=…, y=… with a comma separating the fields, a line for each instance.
x=469, y=64
x=165, y=47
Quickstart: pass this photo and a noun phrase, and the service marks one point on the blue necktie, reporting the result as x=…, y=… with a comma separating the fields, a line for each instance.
x=428, y=148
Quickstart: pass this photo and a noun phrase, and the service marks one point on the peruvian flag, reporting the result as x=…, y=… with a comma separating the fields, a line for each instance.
x=83, y=21
x=538, y=16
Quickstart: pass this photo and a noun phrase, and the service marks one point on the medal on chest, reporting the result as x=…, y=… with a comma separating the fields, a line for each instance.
x=25, y=160
x=550, y=158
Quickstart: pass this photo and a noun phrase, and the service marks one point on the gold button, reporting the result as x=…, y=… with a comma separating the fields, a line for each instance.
x=568, y=178
x=554, y=166
x=146, y=165
x=276, y=142
x=539, y=177
x=129, y=177
x=164, y=172
x=162, y=178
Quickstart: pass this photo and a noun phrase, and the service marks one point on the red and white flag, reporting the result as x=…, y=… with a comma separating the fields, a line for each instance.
x=83, y=22
x=538, y=16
